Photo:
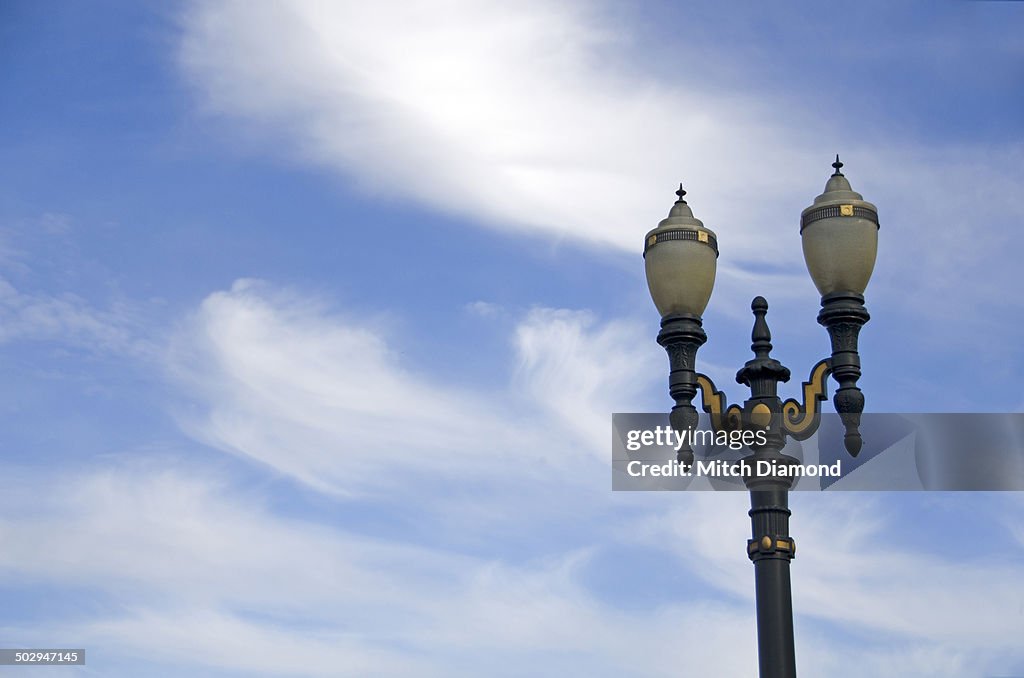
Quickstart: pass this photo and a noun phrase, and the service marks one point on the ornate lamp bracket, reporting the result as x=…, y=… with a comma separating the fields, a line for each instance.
x=723, y=417
x=801, y=420
x=842, y=316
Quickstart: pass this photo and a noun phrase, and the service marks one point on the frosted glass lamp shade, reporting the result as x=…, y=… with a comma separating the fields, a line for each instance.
x=681, y=275
x=840, y=253
x=681, y=258
x=839, y=233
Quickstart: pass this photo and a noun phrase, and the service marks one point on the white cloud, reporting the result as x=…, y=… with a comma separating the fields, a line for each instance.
x=184, y=568
x=484, y=309
x=69, y=320
x=221, y=641
x=544, y=119
x=565, y=362
x=279, y=371
x=325, y=400
x=193, y=572
x=537, y=116
x=850, y=573
x=520, y=115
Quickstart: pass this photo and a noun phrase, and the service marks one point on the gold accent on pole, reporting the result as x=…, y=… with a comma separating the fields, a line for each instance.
x=702, y=236
x=761, y=415
x=846, y=210
x=782, y=544
x=653, y=239
x=712, y=401
x=766, y=542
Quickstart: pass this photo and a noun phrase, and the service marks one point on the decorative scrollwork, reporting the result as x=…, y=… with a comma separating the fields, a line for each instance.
x=713, y=402
x=801, y=420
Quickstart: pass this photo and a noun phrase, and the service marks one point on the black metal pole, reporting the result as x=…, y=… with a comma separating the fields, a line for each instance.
x=771, y=548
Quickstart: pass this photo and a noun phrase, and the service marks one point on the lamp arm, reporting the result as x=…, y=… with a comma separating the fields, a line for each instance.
x=801, y=420
x=723, y=417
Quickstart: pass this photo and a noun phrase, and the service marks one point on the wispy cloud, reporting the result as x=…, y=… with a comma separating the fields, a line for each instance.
x=191, y=564
x=541, y=117
x=545, y=119
x=67, y=319
x=186, y=569
x=194, y=572
x=579, y=371
x=323, y=399
x=524, y=116
x=575, y=369
x=851, y=573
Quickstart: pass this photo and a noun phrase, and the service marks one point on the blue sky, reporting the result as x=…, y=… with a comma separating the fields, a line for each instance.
x=313, y=316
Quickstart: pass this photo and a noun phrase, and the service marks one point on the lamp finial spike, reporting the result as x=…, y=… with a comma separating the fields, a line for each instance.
x=681, y=193
x=838, y=165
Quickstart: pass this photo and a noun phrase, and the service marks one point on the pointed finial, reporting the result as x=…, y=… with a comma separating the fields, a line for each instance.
x=681, y=193
x=761, y=336
x=763, y=373
x=838, y=165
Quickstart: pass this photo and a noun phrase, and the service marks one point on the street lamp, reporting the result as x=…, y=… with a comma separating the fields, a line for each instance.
x=839, y=232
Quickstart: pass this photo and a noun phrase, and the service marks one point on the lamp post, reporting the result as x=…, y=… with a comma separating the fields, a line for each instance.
x=839, y=232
